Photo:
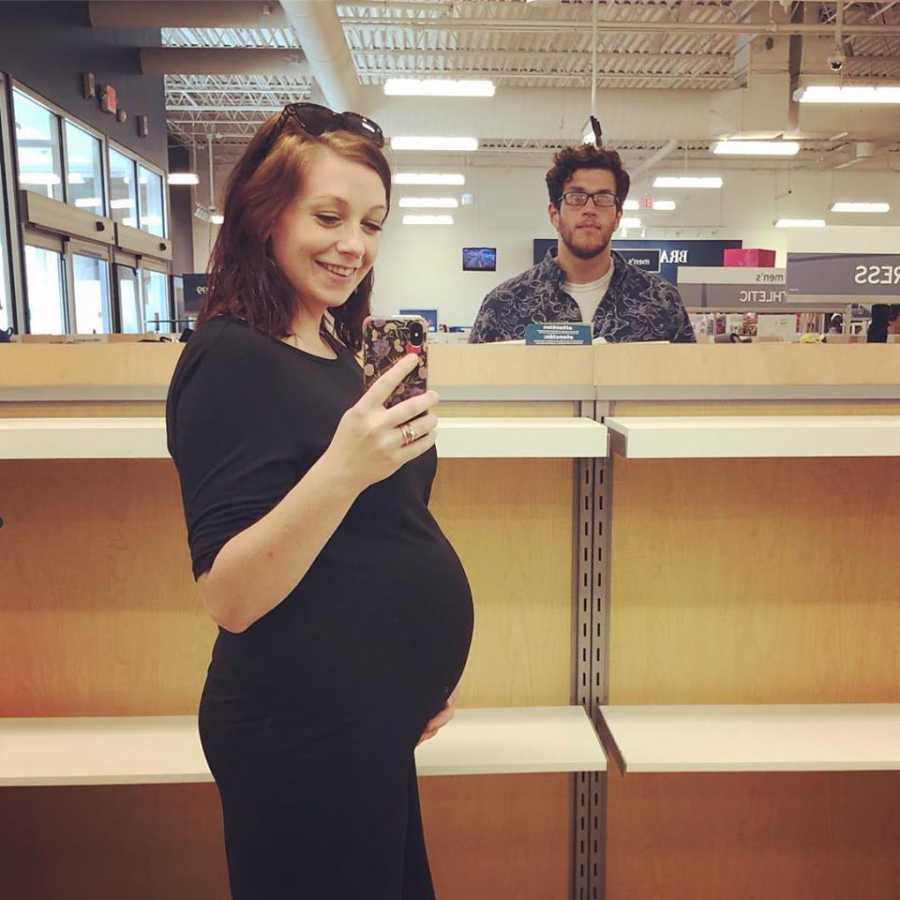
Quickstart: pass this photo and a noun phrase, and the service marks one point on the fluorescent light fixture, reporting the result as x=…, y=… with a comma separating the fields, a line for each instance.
x=688, y=181
x=756, y=148
x=438, y=87
x=428, y=220
x=433, y=178
x=89, y=202
x=217, y=218
x=800, y=223
x=44, y=178
x=428, y=203
x=122, y=203
x=854, y=207
x=629, y=222
x=847, y=93
x=180, y=178
x=458, y=144
x=658, y=205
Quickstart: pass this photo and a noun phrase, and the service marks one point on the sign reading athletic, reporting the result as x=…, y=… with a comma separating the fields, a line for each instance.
x=847, y=275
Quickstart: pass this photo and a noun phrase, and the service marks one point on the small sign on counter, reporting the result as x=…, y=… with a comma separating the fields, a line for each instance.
x=578, y=334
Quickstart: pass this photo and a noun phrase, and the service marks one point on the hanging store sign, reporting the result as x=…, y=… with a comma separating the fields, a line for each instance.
x=843, y=277
x=716, y=287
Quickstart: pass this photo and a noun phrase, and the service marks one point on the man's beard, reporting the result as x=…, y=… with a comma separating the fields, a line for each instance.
x=590, y=252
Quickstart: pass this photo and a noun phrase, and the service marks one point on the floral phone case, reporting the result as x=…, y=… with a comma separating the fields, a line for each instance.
x=385, y=341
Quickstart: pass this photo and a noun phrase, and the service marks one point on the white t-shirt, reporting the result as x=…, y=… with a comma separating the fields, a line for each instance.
x=589, y=296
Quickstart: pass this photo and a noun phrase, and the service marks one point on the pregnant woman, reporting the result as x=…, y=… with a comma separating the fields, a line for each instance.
x=344, y=615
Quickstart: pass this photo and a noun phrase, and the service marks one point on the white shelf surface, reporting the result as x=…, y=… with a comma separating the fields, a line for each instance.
x=166, y=749
x=781, y=738
x=509, y=741
x=708, y=437
x=145, y=438
x=521, y=437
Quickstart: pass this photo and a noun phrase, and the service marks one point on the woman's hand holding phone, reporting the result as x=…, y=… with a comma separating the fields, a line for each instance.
x=372, y=442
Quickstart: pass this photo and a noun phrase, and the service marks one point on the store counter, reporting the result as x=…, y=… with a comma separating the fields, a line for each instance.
x=642, y=526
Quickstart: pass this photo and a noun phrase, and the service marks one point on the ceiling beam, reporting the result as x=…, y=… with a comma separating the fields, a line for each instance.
x=185, y=14
x=583, y=26
x=213, y=61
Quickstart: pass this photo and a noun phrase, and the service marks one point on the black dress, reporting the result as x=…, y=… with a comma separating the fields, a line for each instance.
x=309, y=718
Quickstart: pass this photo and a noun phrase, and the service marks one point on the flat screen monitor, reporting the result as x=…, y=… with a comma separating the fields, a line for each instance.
x=479, y=259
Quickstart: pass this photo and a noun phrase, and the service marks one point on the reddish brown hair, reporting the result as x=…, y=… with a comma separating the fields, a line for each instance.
x=243, y=279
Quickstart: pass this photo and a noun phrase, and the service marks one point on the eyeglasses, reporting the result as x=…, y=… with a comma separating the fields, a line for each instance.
x=316, y=120
x=603, y=199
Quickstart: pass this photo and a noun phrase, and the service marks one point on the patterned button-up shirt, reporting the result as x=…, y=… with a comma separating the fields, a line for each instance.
x=638, y=306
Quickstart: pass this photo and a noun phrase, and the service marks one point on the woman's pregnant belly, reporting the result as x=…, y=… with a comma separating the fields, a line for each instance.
x=386, y=623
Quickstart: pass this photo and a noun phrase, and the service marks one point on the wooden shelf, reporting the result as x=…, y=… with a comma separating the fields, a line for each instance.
x=145, y=438
x=166, y=749
x=701, y=437
x=782, y=738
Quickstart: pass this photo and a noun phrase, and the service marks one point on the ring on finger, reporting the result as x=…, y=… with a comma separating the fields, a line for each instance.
x=408, y=433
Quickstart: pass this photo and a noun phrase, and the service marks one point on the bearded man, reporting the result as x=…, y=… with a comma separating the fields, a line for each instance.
x=586, y=281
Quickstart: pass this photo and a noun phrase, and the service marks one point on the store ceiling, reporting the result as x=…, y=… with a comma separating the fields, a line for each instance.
x=670, y=76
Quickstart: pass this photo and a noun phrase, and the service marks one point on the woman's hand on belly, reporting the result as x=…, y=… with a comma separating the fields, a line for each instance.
x=440, y=720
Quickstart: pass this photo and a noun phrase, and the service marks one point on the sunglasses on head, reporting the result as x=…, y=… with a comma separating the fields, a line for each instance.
x=317, y=120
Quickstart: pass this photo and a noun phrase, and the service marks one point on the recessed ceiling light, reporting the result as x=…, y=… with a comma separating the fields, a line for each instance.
x=428, y=203
x=438, y=87
x=457, y=144
x=848, y=93
x=756, y=148
x=688, y=181
x=800, y=223
x=843, y=206
x=433, y=178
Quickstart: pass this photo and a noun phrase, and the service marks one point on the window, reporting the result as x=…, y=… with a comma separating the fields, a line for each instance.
x=6, y=315
x=84, y=174
x=155, y=287
x=129, y=300
x=122, y=189
x=38, y=147
x=90, y=276
x=151, y=202
x=46, y=301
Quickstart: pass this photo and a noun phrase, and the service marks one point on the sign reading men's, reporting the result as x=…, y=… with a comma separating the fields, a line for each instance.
x=850, y=276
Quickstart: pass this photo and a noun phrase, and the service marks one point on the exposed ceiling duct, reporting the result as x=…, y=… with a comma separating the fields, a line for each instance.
x=209, y=61
x=321, y=36
x=185, y=14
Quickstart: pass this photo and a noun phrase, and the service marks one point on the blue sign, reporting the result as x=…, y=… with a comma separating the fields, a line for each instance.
x=672, y=254
x=558, y=333
x=479, y=259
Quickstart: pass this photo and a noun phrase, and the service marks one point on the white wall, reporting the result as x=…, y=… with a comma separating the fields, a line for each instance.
x=421, y=266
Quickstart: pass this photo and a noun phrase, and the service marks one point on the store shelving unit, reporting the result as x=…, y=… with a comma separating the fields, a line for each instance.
x=145, y=438
x=104, y=649
x=822, y=737
x=60, y=752
x=748, y=687
x=749, y=437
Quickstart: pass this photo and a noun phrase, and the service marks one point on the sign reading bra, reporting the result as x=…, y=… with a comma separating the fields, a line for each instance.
x=843, y=277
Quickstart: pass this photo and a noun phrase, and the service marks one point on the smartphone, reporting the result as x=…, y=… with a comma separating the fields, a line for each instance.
x=385, y=341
